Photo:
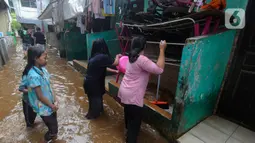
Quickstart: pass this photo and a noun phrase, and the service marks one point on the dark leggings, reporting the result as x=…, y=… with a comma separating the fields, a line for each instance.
x=95, y=106
x=95, y=97
x=52, y=124
x=133, y=119
x=29, y=114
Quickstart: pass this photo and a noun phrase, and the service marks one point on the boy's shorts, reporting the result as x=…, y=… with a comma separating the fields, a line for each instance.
x=41, y=46
x=26, y=46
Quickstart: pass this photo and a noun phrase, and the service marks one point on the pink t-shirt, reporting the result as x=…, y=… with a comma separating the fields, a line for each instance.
x=135, y=81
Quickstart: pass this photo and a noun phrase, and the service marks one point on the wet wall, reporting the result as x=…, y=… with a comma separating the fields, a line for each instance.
x=5, y=43
x=52, y=39
x=4, y=20
x=203, y=65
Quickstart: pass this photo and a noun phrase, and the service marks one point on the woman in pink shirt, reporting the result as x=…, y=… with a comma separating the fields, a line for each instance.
x=134, y=84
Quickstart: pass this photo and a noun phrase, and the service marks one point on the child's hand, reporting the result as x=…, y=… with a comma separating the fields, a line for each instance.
x=25, y=91
x=54, y=108
x=56, y=103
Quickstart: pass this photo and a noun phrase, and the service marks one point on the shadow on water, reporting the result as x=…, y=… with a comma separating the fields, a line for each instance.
x=73, y=127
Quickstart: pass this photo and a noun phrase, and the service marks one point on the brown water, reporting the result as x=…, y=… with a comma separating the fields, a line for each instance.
x=73, y=127
x=164, y=94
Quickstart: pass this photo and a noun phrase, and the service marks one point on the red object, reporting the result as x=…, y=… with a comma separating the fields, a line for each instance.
x=158, y=102
x=124, y=30
x=216, y=26
x=161, y=104
x=122, y=66
x=184, y=2
x=207, y=25
x=120, y=24
x=123, y=37
x=215, y=4
x=196, y=28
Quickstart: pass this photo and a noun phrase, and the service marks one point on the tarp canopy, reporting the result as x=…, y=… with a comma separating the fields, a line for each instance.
x=64, y=10
x=73, y=8
x=47, y=13
x=4, y=4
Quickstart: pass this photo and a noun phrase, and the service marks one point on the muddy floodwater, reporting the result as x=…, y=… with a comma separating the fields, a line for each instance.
x=73, y=127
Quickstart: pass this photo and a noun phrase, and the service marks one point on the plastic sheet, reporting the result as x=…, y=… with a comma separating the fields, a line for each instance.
x=66, y=9
x=73, y=8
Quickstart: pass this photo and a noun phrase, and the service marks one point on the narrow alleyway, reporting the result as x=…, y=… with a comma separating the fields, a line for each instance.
x=73, y=127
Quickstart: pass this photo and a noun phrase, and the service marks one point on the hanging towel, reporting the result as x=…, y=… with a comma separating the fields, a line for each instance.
x=109, y=6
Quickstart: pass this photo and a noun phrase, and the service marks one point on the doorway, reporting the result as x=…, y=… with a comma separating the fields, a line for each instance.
x=237, y=102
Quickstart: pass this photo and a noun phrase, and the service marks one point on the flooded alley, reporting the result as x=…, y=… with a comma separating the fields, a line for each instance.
x=73, y=126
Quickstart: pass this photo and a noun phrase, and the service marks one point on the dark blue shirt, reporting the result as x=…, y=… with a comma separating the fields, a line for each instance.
x=96, y=72
x=39, y=38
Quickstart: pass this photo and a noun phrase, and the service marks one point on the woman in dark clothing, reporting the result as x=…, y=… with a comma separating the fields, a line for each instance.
x=94, y=82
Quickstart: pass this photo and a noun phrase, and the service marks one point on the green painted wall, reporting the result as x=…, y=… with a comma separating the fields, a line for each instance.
x=75, y=46
x=204, y=62
x=110, y=38
x=203, y=65
x=62, y=48
x=235, y=3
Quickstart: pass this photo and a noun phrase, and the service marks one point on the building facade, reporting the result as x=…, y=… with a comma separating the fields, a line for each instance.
x=5, y=18
x=27, y=12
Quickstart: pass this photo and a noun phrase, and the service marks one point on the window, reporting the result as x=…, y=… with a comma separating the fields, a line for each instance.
x=10, y=3
x=12, y=10
x=28, y=3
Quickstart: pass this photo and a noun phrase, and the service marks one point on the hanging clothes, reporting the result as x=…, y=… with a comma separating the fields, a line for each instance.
x=104, y=14
x=99, y=16
x=100, y=25
x=95, y=6
x=109, y=6
x=100, y=21
x=89, y=22
x=80, y=24
x=87, y=18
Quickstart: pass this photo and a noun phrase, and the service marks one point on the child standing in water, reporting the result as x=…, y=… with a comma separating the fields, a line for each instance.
x=29, y=114
x=40, y=93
